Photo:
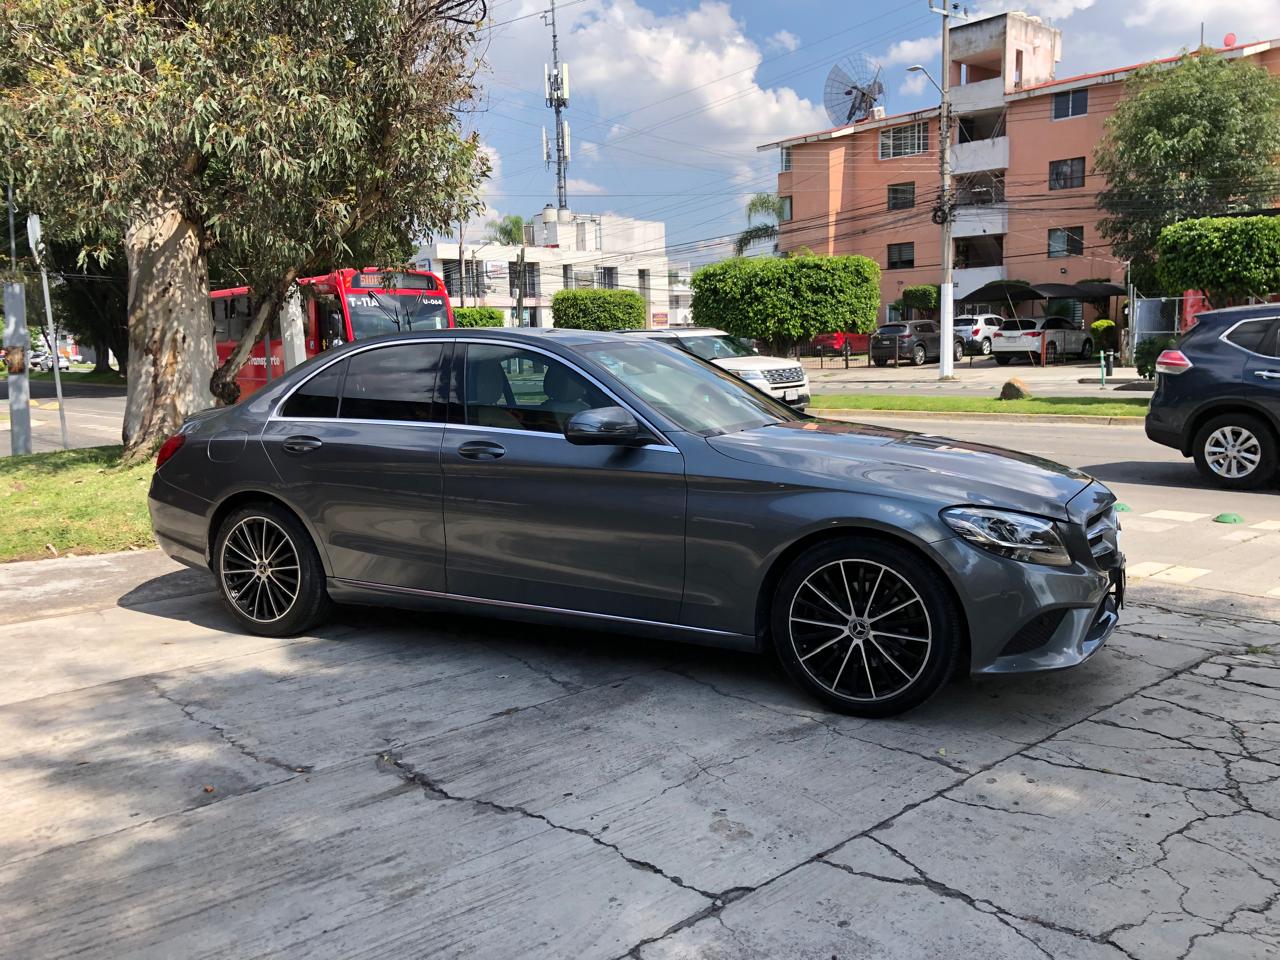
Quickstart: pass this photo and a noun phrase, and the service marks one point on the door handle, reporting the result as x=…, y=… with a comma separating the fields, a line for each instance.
x=302, y=444
x=1268, y=374
x=482, y=450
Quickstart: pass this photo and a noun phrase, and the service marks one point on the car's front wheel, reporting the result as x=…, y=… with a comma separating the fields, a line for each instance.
x=866, y=626
x=918, y=355
x=1086, y=350
x=269, y=573
x=959, y=351
x=1003, y=359
x=1236, y=450
x=986, y=347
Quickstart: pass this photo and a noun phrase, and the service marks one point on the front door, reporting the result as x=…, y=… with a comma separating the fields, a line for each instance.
x=358, y=449
x=533, y=519
x=1261, y=338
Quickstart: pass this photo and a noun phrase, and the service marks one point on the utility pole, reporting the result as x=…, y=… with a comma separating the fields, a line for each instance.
x=555, y=82
x=17, y=344
x=38, y=251
x=946, y=203
x=462, y=269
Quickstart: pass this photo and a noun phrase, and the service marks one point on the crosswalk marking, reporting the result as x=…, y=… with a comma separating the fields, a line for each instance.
x=1147, y=568
x=1148, y=526
x=1180, y=515
x=1267, y=525
x=1274, y=592
x=1180, y=574
x=1242, y=536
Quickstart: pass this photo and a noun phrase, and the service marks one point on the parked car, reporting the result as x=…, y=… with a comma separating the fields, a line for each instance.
x=1043, y=338
x=977, y=331
x=916, y=341
x=41, y=361
x=599, y=480
x=1217, y=396
x=836, y=342
x=781, y=377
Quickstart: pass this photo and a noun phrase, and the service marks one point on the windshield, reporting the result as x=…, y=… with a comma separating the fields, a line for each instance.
x=373, y=314
x=695, y=395
x=715, y=347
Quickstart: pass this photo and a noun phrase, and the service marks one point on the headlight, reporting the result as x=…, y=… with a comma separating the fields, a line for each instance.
x=754, y=376
x=1016, y=536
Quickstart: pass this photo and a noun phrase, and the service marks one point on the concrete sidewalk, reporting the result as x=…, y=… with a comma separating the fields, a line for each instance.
x=981, y=377
x=417, y=785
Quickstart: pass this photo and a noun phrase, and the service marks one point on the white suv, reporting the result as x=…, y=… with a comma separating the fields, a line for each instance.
x=784, y=379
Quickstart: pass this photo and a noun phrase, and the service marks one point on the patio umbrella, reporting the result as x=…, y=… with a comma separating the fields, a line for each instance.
x=1002, y=290
x=1059, y=291
x=1101, y=291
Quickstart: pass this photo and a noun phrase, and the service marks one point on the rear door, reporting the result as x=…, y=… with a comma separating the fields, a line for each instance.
x=1261, y=341
x=358, y=449
x=927, y=333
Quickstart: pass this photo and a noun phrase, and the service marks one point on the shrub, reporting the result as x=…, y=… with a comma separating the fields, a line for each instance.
x=783, y=301
x=1104, y=333
x=589, y=309
x=1229, y=258
x=478, y=317
x=1144, y=357
x=922, y=296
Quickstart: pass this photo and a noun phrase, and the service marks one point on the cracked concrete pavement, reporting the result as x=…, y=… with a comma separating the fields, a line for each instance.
x=409, y=784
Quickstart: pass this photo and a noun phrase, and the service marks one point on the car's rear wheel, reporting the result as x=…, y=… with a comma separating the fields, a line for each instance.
x=959, y=351
x=918, y=355
x=865, y=626
x=986, y=347
x=1086, y=350
x=882, y=363
x=1236, y=450
x=269, y=573
x=1003, y=359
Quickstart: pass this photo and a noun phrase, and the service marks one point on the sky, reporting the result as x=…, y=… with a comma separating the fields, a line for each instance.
x=669, y=99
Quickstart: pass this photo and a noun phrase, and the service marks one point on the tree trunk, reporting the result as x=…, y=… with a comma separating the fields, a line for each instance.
x=223, y=384
x=171, y=350
x=101, y=356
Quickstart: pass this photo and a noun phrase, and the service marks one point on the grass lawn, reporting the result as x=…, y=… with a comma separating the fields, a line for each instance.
x=79, y=376
x=1073, y=406
x=80, y=501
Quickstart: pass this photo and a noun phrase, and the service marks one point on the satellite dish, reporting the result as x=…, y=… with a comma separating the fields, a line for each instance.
x=1229, y=40
x=854, y=89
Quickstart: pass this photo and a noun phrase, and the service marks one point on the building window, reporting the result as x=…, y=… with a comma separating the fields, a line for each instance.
x=567, y=270
x=1066, y=242
x=902, y=256
x=1066, y=174
x=1073, y=103
x=607, y=278
x=902, y=196
x=904, y=141
x=785, y=204
x=786, y=159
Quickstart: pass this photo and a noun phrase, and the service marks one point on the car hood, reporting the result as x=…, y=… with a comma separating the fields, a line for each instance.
x=916, y=464
x=755, y=363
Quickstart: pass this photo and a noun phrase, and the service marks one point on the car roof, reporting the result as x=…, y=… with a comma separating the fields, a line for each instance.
x=681, y=332
x=1227, y=315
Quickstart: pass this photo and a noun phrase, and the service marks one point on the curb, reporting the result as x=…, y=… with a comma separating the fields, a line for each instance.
x=846, y=414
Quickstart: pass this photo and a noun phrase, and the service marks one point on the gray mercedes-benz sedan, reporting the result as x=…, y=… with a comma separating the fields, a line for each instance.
x=592, y=479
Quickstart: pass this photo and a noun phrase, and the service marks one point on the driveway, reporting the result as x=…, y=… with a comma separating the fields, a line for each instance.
x=411, y=785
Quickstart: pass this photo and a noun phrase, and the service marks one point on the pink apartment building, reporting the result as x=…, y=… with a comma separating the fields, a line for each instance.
x=1022, y=156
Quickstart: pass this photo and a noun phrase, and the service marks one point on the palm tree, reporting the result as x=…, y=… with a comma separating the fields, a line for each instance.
x=508, y=231
x=766, y=207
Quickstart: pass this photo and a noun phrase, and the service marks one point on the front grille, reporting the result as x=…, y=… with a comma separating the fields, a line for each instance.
x=1035, y=634
x=784, y=375
x=1102, y=532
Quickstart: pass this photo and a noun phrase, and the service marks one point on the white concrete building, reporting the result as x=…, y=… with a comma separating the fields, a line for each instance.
x=562, y=250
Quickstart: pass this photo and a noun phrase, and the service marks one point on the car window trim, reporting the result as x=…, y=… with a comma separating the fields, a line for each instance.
x=278, y=408
x=664, y=443
x=1274, y=320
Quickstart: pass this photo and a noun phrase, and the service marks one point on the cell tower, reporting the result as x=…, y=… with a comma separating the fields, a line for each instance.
x=555, y=84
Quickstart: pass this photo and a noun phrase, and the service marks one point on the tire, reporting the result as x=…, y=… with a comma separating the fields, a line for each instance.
x=919, y=355
x=986, y=347
x=275, y=605
x=1086, y=350
x=925, y=639
x=1003, y=359
x=958, y=353
x=881, y=363
x=1254, y=461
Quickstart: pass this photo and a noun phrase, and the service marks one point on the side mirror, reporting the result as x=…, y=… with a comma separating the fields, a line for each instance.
x=612, y=426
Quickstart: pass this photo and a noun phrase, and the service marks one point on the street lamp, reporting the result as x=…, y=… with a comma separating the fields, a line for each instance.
x=916, y=68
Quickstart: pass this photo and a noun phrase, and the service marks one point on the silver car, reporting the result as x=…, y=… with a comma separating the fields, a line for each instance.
x=603, y=481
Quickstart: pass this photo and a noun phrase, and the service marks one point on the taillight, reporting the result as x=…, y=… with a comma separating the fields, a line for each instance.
x=1173, y=362
x=997, y=334
x=169, y=448
x=1033, y=333
x=904, y=336
x=976, y=331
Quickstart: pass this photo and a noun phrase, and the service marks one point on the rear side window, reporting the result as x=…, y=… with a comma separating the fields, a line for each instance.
x=1011, y=326
x=318, y=397
x=926, y=328
x=393, y=383
x=1256, y=336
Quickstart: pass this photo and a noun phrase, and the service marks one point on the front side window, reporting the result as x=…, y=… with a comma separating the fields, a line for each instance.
x=517, y=389
x=695, y=395
x=904, y=141
x=317, y=397
x=901, y=256
x=1066, y=174
x=902, y=196
x=1066, y=241
x=1256, y=336
x=1072, y=103
x=392, y=383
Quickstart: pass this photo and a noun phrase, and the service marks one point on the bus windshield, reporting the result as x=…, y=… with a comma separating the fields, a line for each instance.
x=373, y=314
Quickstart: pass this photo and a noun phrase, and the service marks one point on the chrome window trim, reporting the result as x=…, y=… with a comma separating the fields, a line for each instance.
x=665, y=445
x=1240, y=323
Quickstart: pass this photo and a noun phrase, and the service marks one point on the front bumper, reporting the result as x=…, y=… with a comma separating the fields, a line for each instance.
x=1006, y=600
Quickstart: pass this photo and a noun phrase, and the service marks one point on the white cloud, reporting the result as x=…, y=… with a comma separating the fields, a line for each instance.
x=921, y=50
x=783, y=40
x=583, y=187
x=1249, y=19
x=913, y=85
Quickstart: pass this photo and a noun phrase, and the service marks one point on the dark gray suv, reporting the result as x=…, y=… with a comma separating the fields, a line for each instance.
x=598, y=480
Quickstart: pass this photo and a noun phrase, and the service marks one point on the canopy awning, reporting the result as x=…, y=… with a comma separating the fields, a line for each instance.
x=999, y=290
x=1059, y=291
x=1100, y=291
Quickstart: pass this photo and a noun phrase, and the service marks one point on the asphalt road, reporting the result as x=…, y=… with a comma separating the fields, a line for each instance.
x=94, y=415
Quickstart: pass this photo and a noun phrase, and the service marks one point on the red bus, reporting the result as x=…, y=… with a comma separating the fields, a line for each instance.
x=337, y=307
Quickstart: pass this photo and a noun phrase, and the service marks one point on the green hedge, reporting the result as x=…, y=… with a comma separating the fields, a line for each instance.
x=922, y=296
x=1229, y=258
x=1104, y=333
x=1144, y=357
x=783, y=301
x=589, y=309
x=478, y=317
